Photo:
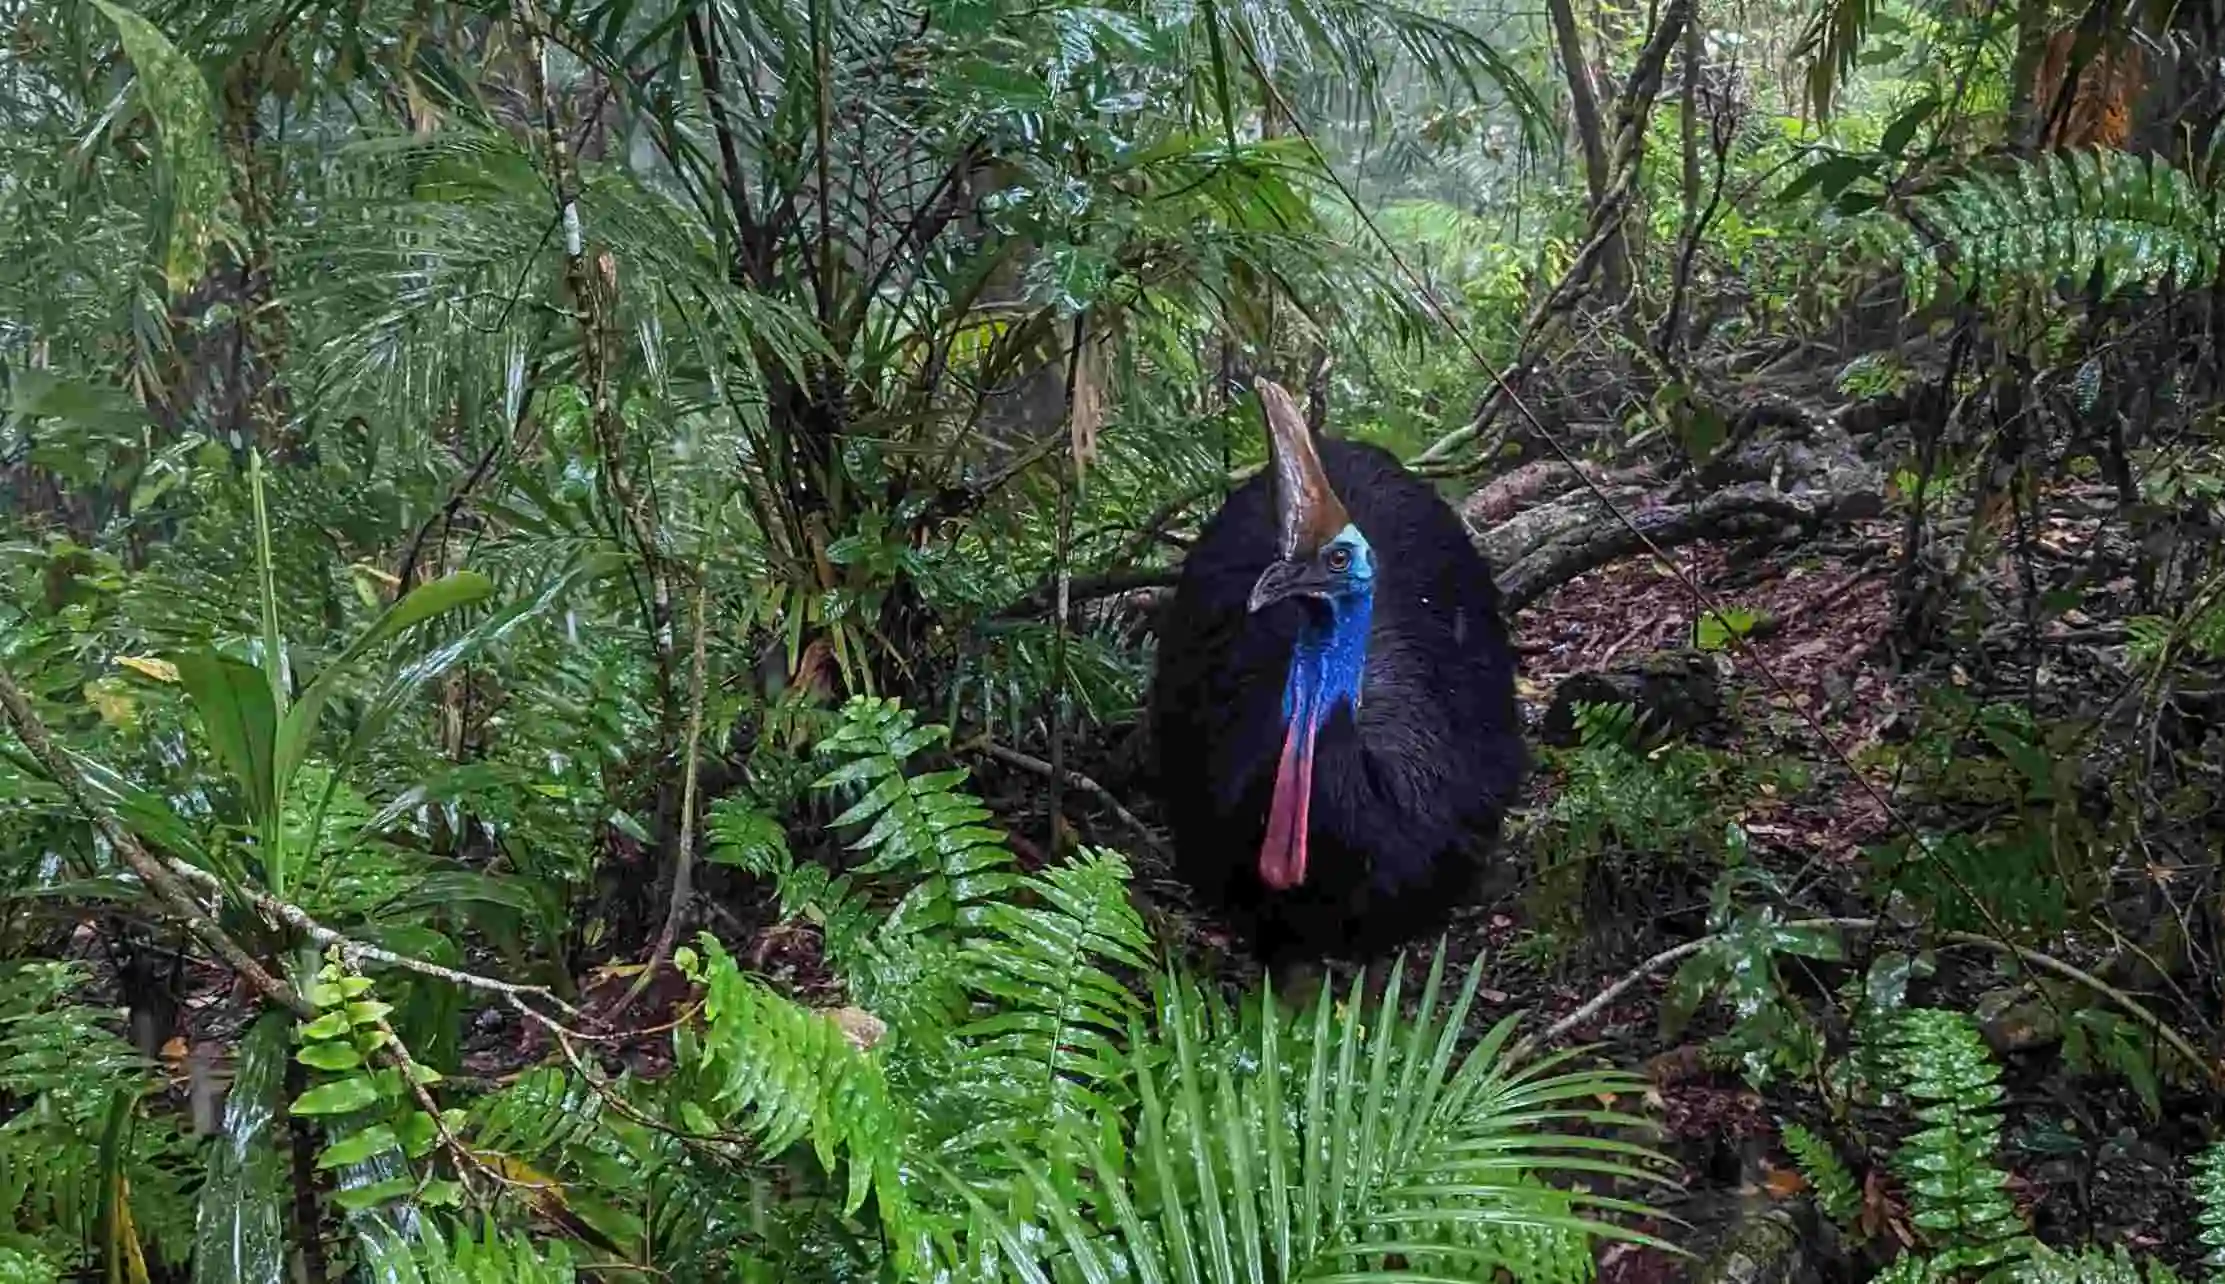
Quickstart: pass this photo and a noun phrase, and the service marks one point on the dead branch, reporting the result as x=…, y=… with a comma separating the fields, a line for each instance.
x=1075, y=780
x=1748, y=509
x=1044, y=597
x=683, y=858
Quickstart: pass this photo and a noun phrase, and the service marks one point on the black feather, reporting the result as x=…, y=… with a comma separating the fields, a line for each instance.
x=1407, y=795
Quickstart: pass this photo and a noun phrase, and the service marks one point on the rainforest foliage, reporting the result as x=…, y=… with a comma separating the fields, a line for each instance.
x=577, y=587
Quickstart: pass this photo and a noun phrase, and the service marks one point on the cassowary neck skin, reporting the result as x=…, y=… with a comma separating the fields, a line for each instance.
x=1327, y=665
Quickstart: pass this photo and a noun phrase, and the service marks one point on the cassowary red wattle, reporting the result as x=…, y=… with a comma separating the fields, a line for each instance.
x=1334, y=703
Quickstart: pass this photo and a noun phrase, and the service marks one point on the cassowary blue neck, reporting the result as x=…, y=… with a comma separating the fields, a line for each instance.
x=1329, y=660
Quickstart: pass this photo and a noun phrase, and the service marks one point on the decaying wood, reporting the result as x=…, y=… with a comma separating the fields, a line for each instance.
x=1800, y=479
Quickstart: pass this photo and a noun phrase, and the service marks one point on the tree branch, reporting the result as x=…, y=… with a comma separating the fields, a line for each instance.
x=170, y=880
x=1044, y=596
x=683, y=859
x=169, y=892
x=1751, y=508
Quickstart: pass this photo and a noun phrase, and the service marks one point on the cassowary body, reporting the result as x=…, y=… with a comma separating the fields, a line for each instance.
x=1334, y=703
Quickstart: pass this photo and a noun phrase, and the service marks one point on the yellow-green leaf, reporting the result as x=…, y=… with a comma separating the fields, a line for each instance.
x=177, y=97
x=357, y=1147
x=337, y=1098
x=329, y=1026
x=330, y=1056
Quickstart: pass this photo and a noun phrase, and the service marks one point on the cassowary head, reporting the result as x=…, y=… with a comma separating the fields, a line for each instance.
x=1325, y=566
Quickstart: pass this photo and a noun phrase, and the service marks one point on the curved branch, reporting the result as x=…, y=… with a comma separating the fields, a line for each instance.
x=1751, y=508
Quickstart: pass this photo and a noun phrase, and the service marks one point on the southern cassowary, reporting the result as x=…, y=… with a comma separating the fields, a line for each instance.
x=1334, y=703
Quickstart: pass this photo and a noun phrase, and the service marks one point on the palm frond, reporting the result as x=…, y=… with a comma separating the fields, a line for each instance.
x=1353, y=1144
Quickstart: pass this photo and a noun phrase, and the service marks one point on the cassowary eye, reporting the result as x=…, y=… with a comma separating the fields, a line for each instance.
x=1340, y=560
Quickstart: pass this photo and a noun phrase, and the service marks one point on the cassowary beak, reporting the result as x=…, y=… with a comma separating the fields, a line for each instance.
x=1283, y=580
x=1307, y=511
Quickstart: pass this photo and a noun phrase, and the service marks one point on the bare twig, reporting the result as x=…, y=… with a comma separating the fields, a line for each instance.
x=1074, y=779
x=2131, y=1006
x=352, y=950
x=1044, y=597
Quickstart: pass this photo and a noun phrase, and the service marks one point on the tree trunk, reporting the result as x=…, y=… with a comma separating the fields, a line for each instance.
x=2027, y=111
x=1583, y=102
x=1688, y=119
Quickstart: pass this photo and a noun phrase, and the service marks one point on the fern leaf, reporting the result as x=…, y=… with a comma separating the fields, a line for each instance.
x=2091, y=1264
x=75, y=1136
x=461, y=1256
x=1957, y=1194
x=782, y=1074
x=1837, y=1193
x=1049, y=1042
x=2209, y=1195
x=2118, y=221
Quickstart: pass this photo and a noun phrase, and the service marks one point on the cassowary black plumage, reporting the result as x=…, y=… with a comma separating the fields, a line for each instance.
x=1334, y=703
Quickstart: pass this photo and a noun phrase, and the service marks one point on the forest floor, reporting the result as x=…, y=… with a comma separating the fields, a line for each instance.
x=2088, y=1163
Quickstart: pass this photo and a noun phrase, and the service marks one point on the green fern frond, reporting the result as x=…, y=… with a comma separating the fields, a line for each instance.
x=1909, y=1268
x=1626, y=780
x=781, y=1073
x=2208, y=1184
x=23, y=1264
x=543, y=1114
x=2199, y=632
x=2109, y=219
x=739, y=833
x=1608, y=725
x=1836, y=1191
x=1350, y=1143
x=1957, y=1194
x=2089, y=1265
x=462, y=1255
x=76, y=1132
x=1002, y=986
x=919, y=825
x=1047, y=1043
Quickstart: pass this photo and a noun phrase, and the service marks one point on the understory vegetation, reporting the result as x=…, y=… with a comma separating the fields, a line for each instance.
x=577, y=586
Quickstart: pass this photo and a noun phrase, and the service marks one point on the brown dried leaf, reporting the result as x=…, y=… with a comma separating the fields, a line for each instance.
x=1088, y=397
x=859, y=1026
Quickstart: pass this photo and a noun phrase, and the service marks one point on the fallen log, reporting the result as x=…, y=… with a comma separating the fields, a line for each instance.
x=1736, y=512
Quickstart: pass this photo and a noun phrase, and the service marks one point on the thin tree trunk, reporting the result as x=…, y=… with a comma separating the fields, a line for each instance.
x=2027, y=114
x=1688, y=119
x=1591, y=137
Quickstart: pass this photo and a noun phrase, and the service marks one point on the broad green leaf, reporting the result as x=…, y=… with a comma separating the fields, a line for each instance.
x=427, y=601
x=240, y=720
x=177, y=97
x=357, y=1147
x=239, y=1235
x=1828, y=177
x=330, y=1055
x=329, y=1026
x=108, y=411
x=358, y=1198
x=418, y=1134
x=1905, y=125
x=337, y=1098
x=368, y=1011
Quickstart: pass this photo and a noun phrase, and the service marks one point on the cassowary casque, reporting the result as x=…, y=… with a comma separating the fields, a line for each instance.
x=1334, y=703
